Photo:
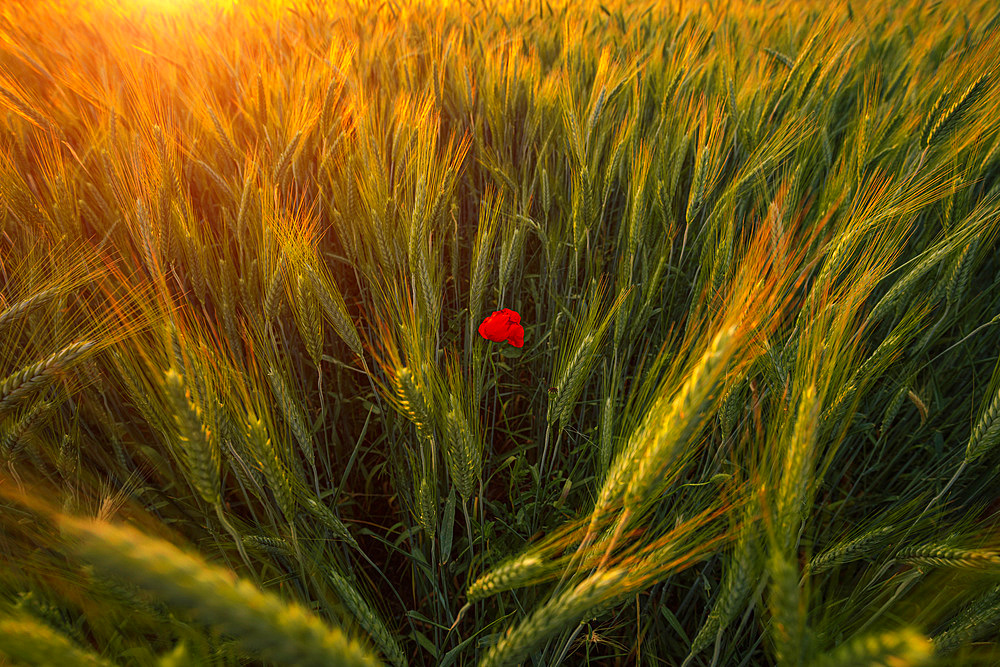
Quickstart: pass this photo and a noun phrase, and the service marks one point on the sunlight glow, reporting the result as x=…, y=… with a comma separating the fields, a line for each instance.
x=177, y=7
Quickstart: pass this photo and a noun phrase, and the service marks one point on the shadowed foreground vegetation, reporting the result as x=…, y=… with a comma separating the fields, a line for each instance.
x=246, y=416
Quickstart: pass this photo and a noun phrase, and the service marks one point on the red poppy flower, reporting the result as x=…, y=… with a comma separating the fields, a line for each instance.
x=503, y=325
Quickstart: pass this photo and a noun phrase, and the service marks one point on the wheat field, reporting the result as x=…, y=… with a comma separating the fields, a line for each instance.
x=255, y=410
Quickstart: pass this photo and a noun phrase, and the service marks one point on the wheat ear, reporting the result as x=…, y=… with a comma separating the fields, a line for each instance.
x=509, y=575
x=666, y=436
x=971, y=622
x=15, y=387
x=850, y=551
x=553, y=617
x=931, y=555
x=198, y=443
x=14, y=311
x=905, y=648
x=283, y=632
x=367, y=618
x=275, y=473
x=31, y=642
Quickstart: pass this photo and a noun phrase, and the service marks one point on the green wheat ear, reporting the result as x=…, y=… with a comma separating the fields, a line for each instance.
x=32, y=642
x=506, y=576
x=332, y=301
x=552, y=617
x=199, y=445
x=934, y=555
x=742, y=570
x=14, y=388
x=905, y=647
x=463, y=455
x=277, y=476
x=363, y=613
x=852, y=550
x=280, y=631
x=975, y=620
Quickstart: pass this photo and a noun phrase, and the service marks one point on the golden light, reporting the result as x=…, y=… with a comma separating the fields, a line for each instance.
x=175, y=7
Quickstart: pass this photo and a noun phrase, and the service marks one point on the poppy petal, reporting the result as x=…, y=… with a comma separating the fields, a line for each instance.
x=503, y=325
x=493, y=329
x=516, y=336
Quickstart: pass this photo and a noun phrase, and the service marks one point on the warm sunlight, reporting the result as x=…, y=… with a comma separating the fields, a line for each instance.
x=173, y=8
x=166, y=6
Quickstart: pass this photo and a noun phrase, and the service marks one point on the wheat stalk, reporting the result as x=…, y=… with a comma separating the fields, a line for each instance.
x=198, y=442
x=31, y=642
x=15, y=387
x=281, y=631
x=552, y=617
x=367, y=618
x=278, y=479
x=971, y=622
x=23, y=306
x=852, y=550
x=934, y=555
x=509, y=575
x=894, y=648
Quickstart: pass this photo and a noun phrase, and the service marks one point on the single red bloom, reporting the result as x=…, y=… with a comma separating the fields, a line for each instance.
x=503, y=325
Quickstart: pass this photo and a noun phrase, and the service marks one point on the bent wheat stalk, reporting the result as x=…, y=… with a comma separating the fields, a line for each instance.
x=281, y=631
x=15, y=387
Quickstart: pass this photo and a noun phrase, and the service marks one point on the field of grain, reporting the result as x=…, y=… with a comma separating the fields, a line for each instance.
x=248, y=415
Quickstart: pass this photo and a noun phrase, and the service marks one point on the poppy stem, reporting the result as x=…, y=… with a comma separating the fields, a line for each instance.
x=541, y=470
x=496, y=386
x=545, y=449
x=468, y=531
